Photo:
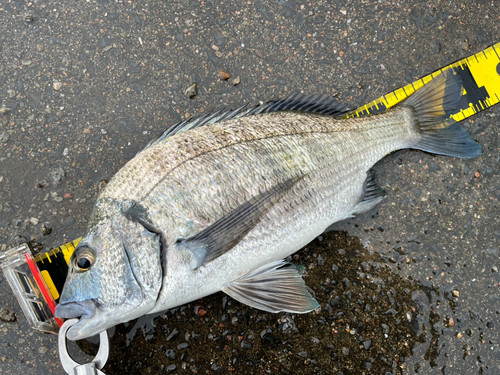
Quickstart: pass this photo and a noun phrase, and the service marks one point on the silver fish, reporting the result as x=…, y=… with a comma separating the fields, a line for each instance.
x=217, y=203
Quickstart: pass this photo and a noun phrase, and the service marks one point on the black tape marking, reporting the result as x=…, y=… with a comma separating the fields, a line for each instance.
x=475, y=95
x=57, y=269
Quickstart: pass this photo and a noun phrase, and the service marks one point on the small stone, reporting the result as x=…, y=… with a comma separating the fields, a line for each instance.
x=192, y=90
x=57, y=175
x=39, y=47
x=456, y=293
x=303, y=354
x=182, y=345
x=367, y=344
x=345, y=351
x=42, y=350
x=224, y=75
x=7, y=315
x=57, y=86
x=236, y=81
x=101, y=185
x=451, y=322
x=215, y=48
x=477, y=174
x=68, y=195
x=173, y=334
x=11, y=93
x=45, y=230
x=4, y=137
x=201, y=312
x=34, y=220
x=246, y=345
x=26, y=62
x=171, y=368
x=170, y=354
x=491, y=249
x=87, y=131
x=4, y=110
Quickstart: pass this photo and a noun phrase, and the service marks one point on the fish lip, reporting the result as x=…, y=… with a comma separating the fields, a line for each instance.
x=78, y=309
x=84, y=310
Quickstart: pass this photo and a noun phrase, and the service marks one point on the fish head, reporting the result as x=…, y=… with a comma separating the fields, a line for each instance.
x=114, y=276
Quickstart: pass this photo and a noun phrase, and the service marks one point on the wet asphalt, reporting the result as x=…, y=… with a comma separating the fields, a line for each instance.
x=410, y=287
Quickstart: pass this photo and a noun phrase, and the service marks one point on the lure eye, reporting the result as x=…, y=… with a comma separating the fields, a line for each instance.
x=83, y=260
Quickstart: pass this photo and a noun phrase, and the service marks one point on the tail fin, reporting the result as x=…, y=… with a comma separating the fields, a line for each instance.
x=432, y=105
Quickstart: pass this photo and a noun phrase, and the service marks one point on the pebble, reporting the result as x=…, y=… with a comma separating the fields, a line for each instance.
x=192, y=90
x=171, y=368
x=57, y=86
x=182, y=345
x=4, y=137
x=303, y=354
x=456, y=293
x=491, y=249
x=101, y=185
x=11, y=93
x=57, y=175
x=56, y=196
x=34, y=220
x=4, y=110
x=224, y=75
x=7, y=315
x=367, y=344
x=236, y=81
x=170, y=354
x=345, y=351
x=246, y=345
x=173, y=334
x=39, y=47
x=42, y=350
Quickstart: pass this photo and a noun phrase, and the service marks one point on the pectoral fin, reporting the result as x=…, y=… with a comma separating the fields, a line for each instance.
x=227, y=232
x=275, y=287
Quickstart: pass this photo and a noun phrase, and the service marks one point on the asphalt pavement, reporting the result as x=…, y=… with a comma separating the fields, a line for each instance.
x=409, y=287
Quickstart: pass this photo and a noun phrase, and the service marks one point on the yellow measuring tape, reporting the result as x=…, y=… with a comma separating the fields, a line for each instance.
x=480, y=74
x=53, y=266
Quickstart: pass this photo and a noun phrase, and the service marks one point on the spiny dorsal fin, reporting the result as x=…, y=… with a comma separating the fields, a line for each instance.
x=320, y=104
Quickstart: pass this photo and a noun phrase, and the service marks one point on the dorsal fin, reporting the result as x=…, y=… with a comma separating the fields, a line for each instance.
x=320, y=104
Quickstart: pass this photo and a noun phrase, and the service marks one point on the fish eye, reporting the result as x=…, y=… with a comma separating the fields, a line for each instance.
x=83, y=260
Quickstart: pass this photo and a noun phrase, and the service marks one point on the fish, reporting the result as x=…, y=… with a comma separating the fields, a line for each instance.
x=217, y=202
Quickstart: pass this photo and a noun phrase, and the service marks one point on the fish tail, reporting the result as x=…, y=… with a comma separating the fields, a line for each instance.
x=432, y=107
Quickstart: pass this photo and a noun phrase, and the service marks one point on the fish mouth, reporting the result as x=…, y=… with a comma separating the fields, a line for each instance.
x=84, y=310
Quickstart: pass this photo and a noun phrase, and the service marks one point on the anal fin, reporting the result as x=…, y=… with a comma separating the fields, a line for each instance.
x=275, y=287
x=373, y=194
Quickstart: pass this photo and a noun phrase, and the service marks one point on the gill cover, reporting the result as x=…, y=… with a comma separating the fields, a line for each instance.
x=123, y=279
